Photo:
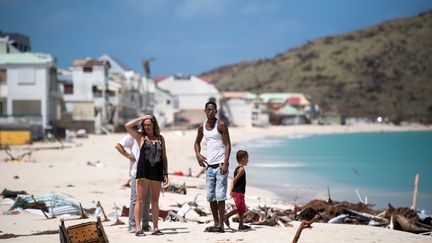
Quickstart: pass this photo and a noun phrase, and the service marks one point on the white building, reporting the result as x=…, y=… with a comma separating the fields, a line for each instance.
x=29, y=92
x=166, y=106
x=127, y=97
x=87, y=96
x=192, y=94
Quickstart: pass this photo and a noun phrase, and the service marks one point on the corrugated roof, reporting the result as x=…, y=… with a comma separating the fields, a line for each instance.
x=289, y=110
x=90, y=62
x=116, y=65
x=238, y=94
x=25, y=58
x=282, y=97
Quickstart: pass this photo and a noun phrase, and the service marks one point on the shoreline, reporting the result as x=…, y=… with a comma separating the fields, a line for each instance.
x=302, y=194
x=67, y=172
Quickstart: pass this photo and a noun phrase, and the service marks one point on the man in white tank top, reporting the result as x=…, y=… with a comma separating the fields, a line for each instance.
x=218, y=141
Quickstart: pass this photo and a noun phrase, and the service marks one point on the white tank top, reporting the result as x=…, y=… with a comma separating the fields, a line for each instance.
x=215, y=146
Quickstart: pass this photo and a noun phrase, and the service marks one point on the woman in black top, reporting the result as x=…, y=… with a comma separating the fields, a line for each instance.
x=152, y=168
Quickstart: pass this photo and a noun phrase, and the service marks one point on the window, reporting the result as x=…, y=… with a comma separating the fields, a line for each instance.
x=87, y=69
x=27, y=107
x=96, y=92
x=68, y=89
x=26, y=76
x=3, y=76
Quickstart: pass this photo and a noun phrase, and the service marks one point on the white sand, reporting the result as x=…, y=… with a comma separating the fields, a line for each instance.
x=66, y=172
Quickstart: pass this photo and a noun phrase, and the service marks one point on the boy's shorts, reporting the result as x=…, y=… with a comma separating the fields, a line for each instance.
x=216, y=185
x=239, y=202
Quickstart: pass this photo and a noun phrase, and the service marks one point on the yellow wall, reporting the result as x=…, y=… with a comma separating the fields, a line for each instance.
x=15, y=137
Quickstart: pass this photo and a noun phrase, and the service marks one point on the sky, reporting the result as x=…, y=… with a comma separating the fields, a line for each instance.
x=189, y=36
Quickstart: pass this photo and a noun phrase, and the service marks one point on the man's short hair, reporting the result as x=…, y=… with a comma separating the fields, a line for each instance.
x=210, y=103
x=241, y=154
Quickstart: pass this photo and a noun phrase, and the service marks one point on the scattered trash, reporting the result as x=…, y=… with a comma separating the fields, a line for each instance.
x=7, y=201
x=19, y=158
x=81, y=133
x=52, y=205
x=12, y=194
x=95, y=163
x=338, y=219
x=181, y=189
x=118, y=221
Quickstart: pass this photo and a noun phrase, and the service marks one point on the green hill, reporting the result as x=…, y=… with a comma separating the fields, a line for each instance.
x=384, y=70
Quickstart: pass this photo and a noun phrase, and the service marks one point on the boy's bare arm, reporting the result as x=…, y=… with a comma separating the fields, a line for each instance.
x=240, y=172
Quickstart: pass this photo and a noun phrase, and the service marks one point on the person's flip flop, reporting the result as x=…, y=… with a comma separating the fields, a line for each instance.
x=158, y=232
x=140, y=233
x=209, y=229
x=218, y=230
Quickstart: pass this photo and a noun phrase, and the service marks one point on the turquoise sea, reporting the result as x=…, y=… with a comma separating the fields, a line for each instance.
x=380, y=166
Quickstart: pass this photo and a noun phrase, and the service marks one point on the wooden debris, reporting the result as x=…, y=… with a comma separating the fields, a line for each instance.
x=83, y=215
x=304, y=224
x=19, y=158
x=103, y=212
x=41, y=209
x=11, y=236
x=404, y=224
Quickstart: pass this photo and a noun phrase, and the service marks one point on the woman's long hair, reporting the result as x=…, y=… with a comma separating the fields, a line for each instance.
x=156, y=129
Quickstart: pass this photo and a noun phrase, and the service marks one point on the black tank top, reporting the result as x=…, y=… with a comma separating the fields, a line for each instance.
x=150, y=164
x=240, y=185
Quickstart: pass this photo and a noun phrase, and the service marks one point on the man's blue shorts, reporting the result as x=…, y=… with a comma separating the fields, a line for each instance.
x=216, y=184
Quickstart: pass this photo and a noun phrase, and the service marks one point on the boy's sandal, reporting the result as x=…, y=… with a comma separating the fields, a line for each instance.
x=139, y=233
x=245, y=227
x=158, y=232
x=226, y=221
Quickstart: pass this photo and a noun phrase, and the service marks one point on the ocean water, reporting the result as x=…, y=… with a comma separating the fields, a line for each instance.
x=380, y=166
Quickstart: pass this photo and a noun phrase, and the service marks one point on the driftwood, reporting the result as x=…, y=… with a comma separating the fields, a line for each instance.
x=103, y=212
x=304, y=224
x=11, y=236
x=404, y=224
x=19, y=158
x=127, y=184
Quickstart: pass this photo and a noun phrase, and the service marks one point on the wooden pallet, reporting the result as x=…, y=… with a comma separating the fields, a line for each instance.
x=89, y=232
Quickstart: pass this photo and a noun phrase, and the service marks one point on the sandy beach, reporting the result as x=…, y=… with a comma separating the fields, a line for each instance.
x=66, y=172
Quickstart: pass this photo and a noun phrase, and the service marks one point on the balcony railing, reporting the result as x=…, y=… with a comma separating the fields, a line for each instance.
x=21, y=120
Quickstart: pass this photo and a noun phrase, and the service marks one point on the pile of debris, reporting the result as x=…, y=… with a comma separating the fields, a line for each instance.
x=404, y=219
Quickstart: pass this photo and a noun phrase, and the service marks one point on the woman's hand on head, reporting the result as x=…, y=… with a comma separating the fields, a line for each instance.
x=145, y=117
